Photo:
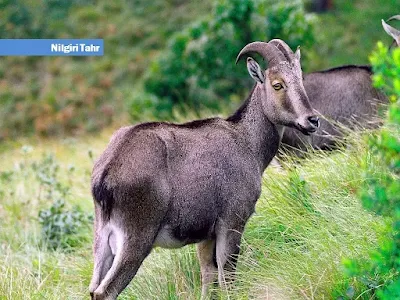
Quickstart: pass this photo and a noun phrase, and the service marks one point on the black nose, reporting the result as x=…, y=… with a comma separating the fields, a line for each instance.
x=314, y=120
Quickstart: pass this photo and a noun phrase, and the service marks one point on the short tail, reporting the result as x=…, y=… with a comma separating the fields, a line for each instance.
x=103, y=195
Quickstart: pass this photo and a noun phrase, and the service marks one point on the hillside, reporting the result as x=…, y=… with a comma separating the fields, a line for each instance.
x=57, y=115
x=64, y=96
x=307, y=221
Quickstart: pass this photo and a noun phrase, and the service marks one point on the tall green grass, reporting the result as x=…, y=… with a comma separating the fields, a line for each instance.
x=308, y=219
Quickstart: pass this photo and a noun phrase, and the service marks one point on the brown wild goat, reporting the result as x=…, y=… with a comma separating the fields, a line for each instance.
x=343, y=95
x=169, y=185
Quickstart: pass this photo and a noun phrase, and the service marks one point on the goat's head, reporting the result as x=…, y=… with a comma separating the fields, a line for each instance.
x=284, y=99
x=393, y=32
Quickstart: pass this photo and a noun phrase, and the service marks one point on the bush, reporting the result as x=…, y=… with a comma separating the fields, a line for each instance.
x=197, y=69
x=62, y=228
x=380, y=275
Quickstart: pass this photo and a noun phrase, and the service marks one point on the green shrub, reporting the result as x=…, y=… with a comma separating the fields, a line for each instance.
x=380, y=275
x=197, y=69
x=62, y=228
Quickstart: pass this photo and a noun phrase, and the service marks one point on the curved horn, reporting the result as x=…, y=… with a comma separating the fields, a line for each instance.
x=393, y=32
x=284, y=48
x=267, y=50
x=396, y=17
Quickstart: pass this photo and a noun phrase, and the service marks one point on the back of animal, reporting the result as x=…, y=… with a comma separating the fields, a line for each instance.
x=343, y=95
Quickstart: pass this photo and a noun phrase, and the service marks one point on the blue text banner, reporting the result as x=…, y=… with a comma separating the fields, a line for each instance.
x=51, y=47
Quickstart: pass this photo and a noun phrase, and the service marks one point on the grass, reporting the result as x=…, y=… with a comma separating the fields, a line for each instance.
x=307, y=221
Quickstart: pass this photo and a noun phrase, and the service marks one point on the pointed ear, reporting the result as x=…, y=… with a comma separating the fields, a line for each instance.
x=297, y=53
x=255, y=70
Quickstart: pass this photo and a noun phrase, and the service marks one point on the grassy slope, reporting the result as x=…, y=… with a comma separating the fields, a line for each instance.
x=64, y=95
x=308, y=219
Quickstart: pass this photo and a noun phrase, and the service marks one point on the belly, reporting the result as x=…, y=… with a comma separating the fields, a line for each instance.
x=177, y=237
x=166, y=239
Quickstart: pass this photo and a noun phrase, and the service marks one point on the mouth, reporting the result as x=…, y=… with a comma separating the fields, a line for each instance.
x=306, y=130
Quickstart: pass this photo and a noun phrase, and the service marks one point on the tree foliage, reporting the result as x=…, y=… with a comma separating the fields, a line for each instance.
x=197, y=68
x=380, y=275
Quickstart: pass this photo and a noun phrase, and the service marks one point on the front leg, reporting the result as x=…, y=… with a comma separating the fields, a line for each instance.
x=209, y=271
x=227, y=252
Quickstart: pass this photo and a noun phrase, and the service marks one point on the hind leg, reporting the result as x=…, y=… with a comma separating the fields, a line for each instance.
x=136, y=216
x=103, y=256
x=103, y=259
x=130, y=252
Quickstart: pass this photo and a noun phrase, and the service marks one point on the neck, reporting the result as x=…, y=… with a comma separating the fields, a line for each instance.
x=262, y=136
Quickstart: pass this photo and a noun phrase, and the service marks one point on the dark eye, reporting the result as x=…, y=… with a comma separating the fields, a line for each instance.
x=277, y=86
